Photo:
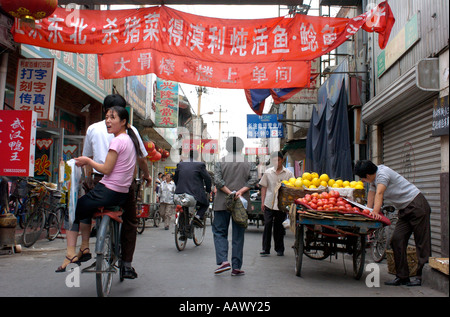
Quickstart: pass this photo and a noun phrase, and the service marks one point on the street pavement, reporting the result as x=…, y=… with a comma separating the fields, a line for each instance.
x=165, y=272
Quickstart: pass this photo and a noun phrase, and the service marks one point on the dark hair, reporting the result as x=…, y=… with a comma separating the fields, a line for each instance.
x=234, y=144
x=278, y=154
x=364, y=168
x=113, y=100
x=124, y=115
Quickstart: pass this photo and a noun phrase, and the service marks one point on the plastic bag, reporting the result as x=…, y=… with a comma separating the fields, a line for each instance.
x=73, y=187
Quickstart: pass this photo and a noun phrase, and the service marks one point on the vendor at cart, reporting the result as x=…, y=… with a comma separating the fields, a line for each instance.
x=389, y=187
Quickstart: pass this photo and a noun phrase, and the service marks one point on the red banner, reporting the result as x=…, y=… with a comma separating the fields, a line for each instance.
x=196, y=41
x=17, y=142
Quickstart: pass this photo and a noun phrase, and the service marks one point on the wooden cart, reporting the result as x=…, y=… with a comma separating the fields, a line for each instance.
x=319, y=236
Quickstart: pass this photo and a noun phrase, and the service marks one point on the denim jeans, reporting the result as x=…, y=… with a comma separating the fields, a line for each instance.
x=220, y=231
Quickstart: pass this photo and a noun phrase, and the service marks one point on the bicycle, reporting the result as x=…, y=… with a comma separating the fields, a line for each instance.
x=47, y=214
x=22, y=200
x=184, y=228
x=107, y=248
x=380, y=239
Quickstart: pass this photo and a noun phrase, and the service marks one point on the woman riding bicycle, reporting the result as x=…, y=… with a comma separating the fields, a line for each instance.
x=112, y=189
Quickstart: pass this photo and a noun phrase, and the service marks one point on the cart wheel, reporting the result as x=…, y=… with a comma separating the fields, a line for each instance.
x=298, y=249
x=359, y=256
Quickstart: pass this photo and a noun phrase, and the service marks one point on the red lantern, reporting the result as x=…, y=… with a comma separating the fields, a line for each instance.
x=149, y=146
x=165, y=154
x=155, y=157
x=151, y=154
x=29, y=10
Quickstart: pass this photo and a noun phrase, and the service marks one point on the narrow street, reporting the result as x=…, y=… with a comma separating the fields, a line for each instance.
x=165, y=272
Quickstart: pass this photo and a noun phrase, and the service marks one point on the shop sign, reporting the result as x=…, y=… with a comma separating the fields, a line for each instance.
x=36, y=87
x=166, y=113
x=209, y=146
x=440, y=117
x=256, y=151
x=17, y=142
x=264, y=126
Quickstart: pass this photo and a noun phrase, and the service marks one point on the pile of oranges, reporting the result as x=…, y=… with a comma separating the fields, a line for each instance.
x=314, y=180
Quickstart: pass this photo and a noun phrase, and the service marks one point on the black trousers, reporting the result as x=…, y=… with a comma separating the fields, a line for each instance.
x=273, y=219
x=415, y=218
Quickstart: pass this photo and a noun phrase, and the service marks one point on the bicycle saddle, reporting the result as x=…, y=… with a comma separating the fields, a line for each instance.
x=114, y=212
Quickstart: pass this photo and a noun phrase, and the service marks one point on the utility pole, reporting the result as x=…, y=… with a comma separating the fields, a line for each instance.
x=220, y=125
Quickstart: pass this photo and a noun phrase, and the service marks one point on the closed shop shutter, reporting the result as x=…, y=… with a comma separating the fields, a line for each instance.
x=409, y=149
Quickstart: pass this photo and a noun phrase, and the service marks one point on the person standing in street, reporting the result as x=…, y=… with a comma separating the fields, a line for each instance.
x=192, y=178
x=389, y=187
x=96, y=144
x=232, y=174
x=166, y=204
x=273, y=217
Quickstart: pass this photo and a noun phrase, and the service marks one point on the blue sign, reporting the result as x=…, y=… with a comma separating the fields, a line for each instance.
x=264, y=126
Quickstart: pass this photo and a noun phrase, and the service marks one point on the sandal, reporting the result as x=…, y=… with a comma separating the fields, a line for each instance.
x=71, y=260
x=85, y=256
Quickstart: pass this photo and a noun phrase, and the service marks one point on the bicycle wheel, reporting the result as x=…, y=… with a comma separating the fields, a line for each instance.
x=140, y=225
x=180, y=234
x=199, y=233
x=378, y=245
x=105, y=257
x=156, y=218
x=53, y=226
x=33, y=227
x=315, y=246
x=359, y=256
x=299, y=249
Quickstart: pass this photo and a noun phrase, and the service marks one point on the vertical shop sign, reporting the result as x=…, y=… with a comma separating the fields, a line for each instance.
x=166, y=114
x=35, y=87
x=17, y=142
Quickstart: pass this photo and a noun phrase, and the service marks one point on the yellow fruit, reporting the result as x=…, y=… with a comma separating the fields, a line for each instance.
x=360, y=183
x=307, y=176
x=298, y=182
x=306, y=182
x=345, y=183
x=324, y=177
x=314, y=175
x=339, y=182
x=292, y=180
x=359, y=186
x=323, y=183
x=348, y=186
x=285, y=182
x=312, y=187
x=315, y=182
x=331, y=182
x=335, y=185
x=353, y=184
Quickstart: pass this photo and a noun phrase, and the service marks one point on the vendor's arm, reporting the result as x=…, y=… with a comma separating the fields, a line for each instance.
x=378, y=201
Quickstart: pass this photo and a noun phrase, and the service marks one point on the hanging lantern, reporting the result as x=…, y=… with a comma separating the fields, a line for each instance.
x=155, y=157
x=165, y=154
x=149, y=146
x=151, y=154
x=29, y=10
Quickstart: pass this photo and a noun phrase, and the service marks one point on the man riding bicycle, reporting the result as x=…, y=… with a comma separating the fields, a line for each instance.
x=192, y=178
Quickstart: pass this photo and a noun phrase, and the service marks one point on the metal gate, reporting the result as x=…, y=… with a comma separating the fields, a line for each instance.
x=409, y=149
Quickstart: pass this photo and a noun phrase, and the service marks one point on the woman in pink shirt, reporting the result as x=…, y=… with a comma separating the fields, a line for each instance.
x=112, y=190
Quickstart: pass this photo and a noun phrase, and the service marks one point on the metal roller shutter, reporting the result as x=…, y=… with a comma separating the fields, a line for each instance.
x=409, y=149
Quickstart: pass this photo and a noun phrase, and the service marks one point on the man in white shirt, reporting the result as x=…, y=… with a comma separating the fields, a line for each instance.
x=273, y=217
x=96, y=146
x=166, y=204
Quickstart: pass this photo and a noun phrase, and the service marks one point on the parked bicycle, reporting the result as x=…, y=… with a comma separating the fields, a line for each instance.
x=22, y=199
x=107, y=248
x=184, y=227
x=47, y=214
x=381, y=238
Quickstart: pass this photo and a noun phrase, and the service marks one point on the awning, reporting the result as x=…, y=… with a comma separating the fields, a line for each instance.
x=401, y=95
